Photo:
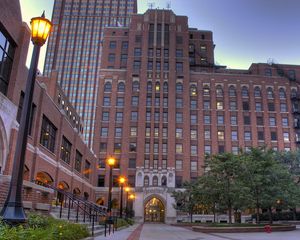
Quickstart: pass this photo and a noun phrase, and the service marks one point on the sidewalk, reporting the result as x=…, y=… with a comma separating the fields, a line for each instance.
x=119, y=235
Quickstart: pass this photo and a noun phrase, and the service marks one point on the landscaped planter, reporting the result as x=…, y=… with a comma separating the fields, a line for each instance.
x=242, y=229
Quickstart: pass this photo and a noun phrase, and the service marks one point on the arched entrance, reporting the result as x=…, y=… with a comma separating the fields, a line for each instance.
x=154, y=211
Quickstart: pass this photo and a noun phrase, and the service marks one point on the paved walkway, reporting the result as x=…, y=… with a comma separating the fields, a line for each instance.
x=167, y=232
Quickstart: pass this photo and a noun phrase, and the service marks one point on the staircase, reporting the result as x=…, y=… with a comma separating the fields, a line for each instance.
x=84, y=220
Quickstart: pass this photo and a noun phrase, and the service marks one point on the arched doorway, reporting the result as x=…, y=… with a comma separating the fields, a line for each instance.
x=154, y=211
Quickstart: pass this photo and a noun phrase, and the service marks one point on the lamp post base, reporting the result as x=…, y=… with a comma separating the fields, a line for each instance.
x=13, y=213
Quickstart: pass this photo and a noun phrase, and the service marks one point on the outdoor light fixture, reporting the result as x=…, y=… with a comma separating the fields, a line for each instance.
x=12, y=211
x=40, y=29
x=110, y=162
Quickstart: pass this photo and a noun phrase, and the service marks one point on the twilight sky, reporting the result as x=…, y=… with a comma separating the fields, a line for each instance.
x=244, y=31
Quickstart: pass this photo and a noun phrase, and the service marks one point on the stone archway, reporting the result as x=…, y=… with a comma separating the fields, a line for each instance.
x=154, y=210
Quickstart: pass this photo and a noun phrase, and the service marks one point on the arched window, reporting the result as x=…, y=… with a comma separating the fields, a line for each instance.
x=193, y=90
x=282, y=94
x=135, y=86
x=232, y=92
x=164, y=181
x=245, y=92
x=206, y=90
x=257, y=92
x=270, y=93
x=219, y=91
x=121, y=87
x=166, y=87
x=157, y=87
x=155, y=181
x=146, y=181
x=107, y=87
x=149, y=87
x=179, y=88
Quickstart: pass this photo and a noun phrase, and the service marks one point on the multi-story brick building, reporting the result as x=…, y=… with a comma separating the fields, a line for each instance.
x=56, y=153
x=163, y=104
x=74, y=49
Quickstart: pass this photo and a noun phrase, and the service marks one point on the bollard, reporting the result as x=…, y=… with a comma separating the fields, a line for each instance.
x=268, y=229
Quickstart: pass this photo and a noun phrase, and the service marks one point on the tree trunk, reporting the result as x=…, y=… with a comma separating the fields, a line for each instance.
x=230, y=214
x=294, y=214
x=270, y=215
x=257, y=211
x=191, y=216
x=214, y=212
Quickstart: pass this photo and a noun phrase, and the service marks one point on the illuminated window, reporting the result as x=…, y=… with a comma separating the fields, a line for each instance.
x=179, y=148
x=193, y=91
x=220, y=135
x=220, y=105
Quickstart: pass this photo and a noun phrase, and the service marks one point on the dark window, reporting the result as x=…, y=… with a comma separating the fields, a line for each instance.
x=138, y=38
x=274, y=136
x=6, y=60
x=179, y=40
x=131, y=180
x=107, y=87
x=246, y=106
x=260, y=135
x=259, y=121
x=179, y=53
x=105, y=116
x=247, y=120
x=150, y=65
x=112, y=44
x=106, y=101
x=179, y=88
x=124, y=45
x=271, y=106
x=117, y=147
x=221, y=149
x=268, y=72
x=124, y=58
x=48, y=134
x=134, y=116
x=121, y=87
x=134, y=101
x=78, y=160
x=101, y=181
x=111, y=57
x=102, y=163
x=120, y=101
x=103, y=147
x=132, y=147
x=232, y=92
x=150, y=52
x=136, y=65
x=132, y=163
x=166, y=53
x=178, y=181
x=135, y=86
x=104, y=132
x=292, y=74
x=65, y=151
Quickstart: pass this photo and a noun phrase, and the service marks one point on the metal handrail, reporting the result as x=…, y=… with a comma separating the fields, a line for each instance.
x=87, y=208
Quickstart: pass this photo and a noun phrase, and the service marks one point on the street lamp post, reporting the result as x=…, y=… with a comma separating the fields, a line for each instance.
x=111, y=162
x=131, y=197
x=12, y=211
x=121, y=181
x=127, y=189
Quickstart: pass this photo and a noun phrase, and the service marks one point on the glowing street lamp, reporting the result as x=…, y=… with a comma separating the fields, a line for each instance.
x=122, y=181
x=110, y=162
x=13, y=211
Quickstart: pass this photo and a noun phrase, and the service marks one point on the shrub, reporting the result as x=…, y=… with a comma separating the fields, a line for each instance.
x=121, y=223
x=37, y=221
x=130, y=221
x=278, y=216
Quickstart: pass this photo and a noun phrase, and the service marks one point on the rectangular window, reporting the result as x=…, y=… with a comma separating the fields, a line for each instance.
x=259, y=121
x=118, y=132
x=220, y=105
x=150, y=65
x=104, y=132
x=258, y=106
x=271, y=107
x=272, y=121
x=124, y=58
x=232, y=105
x=146, y=163
x=105, y=116
x=194, y=150
x=155, y=163
x=132, y=163
x=179, y=117
x=147, y=147
x=7, y=50
x=193, y=119
x=283, y=107
x=137, y=52
x=165, y=132
x=178, y=148
x=206, y=105
x=221, y=135
x=179, y=53
x=132, y=147
x=117, y=147
x=120, y=102
x=165, y=148
x=286, y=137
x=179, y=102
x=234, y=135
x=206, y=134
x=78, y=160
x=103, y=147
x=148, y=116
x=155, y=148
x=207, y=149
x=193, y=104
x=247, y=136
x=134, y=101
x=134, y=116
x=179, y=133
x=124, y=45
x=101, y=181
x=112, y=44
x=87, y=169
x=133, y=131
x=136, y=65
x=65, y=151
x=220, y=119
x=194, y=166
x=247, y=120
x=233, y=120
x=106, y=101
x=156, y=101
x=156, y=132
x=165, y=102
x=179, y=67
x=119, y=116
x=48, y=134
x=260, y=136
x=285, y=122
x=178, y=165
x=235, y=150
x=246, y=106
x=193, y=134
x=111, y=57
x=206, y=119
x=178, y=181
x=274, y=136
x=157, y=116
